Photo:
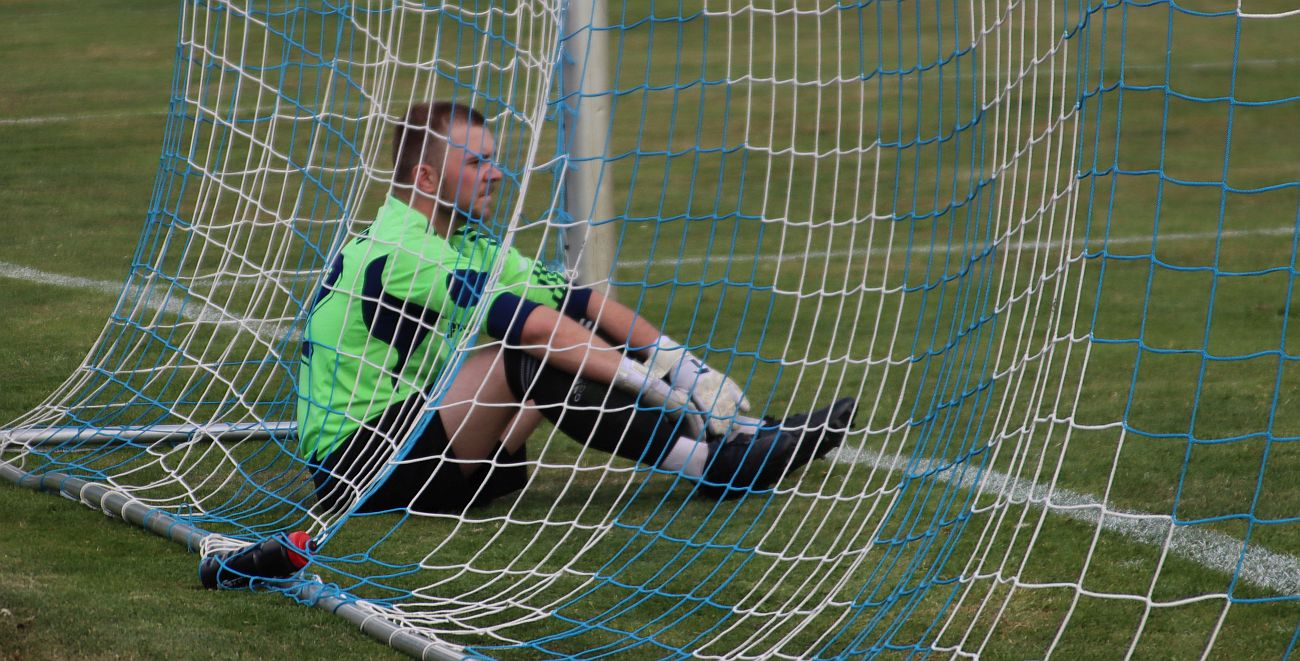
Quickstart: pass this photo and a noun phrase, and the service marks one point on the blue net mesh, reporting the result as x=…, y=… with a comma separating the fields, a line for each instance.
x=1048, y=247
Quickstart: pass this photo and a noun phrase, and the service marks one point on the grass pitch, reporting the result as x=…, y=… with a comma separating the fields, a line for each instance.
x=80, y=128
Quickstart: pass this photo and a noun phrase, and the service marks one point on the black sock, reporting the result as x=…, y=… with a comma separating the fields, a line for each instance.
x=591, y=413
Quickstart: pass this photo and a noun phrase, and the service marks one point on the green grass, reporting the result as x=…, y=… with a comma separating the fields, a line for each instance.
x=74, y=191
x=79, y=585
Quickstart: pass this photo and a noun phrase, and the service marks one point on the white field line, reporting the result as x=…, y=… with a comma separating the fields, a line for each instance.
x=29, y=274
x=945, y=249
x=1277, y=572
x=60, y=119
x=198, y=311
x=259, y=327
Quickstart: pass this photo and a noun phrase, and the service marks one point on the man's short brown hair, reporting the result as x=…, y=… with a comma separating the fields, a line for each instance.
x=412, y=143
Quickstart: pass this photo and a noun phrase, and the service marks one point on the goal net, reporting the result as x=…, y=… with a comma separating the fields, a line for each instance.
x=1049, y=247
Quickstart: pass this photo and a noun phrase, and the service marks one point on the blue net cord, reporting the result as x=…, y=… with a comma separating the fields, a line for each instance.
x=1048, y=247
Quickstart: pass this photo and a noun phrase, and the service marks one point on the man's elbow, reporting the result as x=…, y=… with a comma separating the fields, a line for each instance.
x=524, y=324
x=537, y=327
x=515, y=320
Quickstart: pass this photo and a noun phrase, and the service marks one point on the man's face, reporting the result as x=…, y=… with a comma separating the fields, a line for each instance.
x=467, y=178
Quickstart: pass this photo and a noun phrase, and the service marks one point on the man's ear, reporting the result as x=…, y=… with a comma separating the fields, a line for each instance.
x=426, y=179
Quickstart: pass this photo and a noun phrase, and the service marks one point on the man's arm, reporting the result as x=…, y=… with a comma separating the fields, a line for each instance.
x=619, y=321
x=571, y=347
x=663, y=359
x=712, y=391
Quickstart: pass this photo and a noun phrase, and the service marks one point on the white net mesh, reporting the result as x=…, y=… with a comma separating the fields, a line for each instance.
x=1048, y=247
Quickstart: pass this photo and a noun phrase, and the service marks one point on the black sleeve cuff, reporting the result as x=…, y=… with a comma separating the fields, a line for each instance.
x=506, y=317
x=575, y=302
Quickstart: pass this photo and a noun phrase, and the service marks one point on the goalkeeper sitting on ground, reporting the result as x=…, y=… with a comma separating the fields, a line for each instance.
x=396, y=299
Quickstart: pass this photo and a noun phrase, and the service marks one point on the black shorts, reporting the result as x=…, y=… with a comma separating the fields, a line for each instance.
x=423, y=482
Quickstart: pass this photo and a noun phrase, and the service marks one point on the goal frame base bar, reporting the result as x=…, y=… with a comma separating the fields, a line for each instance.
x=119, y=504
x=46, y=436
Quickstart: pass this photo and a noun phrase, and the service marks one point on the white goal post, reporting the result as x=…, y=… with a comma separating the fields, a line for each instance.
x=592, y=240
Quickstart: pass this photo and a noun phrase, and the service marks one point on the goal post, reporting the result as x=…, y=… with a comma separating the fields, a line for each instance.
x=591, y=239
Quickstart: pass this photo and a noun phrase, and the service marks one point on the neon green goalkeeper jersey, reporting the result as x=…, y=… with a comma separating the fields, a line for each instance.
x=393, y=306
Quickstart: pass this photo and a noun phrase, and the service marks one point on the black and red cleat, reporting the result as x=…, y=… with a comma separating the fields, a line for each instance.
x=275, y=558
